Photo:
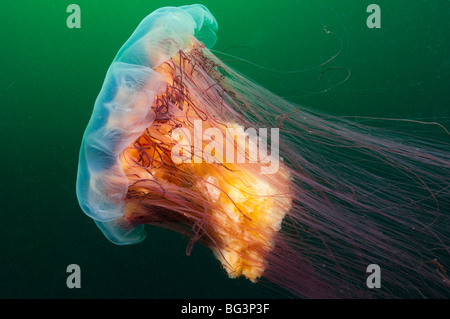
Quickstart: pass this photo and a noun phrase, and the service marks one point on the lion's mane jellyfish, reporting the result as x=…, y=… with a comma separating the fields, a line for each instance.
x=342, y=196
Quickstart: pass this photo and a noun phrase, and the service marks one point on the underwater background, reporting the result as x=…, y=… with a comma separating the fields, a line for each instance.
x=50, y=76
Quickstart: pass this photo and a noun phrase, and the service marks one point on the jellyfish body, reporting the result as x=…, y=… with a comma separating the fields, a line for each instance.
x=124, y=162
x=312, y=225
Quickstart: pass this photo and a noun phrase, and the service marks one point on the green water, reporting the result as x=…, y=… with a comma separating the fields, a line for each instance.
x=50, y=76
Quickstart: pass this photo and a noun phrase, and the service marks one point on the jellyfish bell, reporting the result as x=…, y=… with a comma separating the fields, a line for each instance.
x=308, y=223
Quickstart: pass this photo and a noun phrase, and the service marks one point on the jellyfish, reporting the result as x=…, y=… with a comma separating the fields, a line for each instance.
x=277, y=191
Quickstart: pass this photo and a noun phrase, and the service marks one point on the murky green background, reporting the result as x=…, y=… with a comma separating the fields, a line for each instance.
x=49, y=79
